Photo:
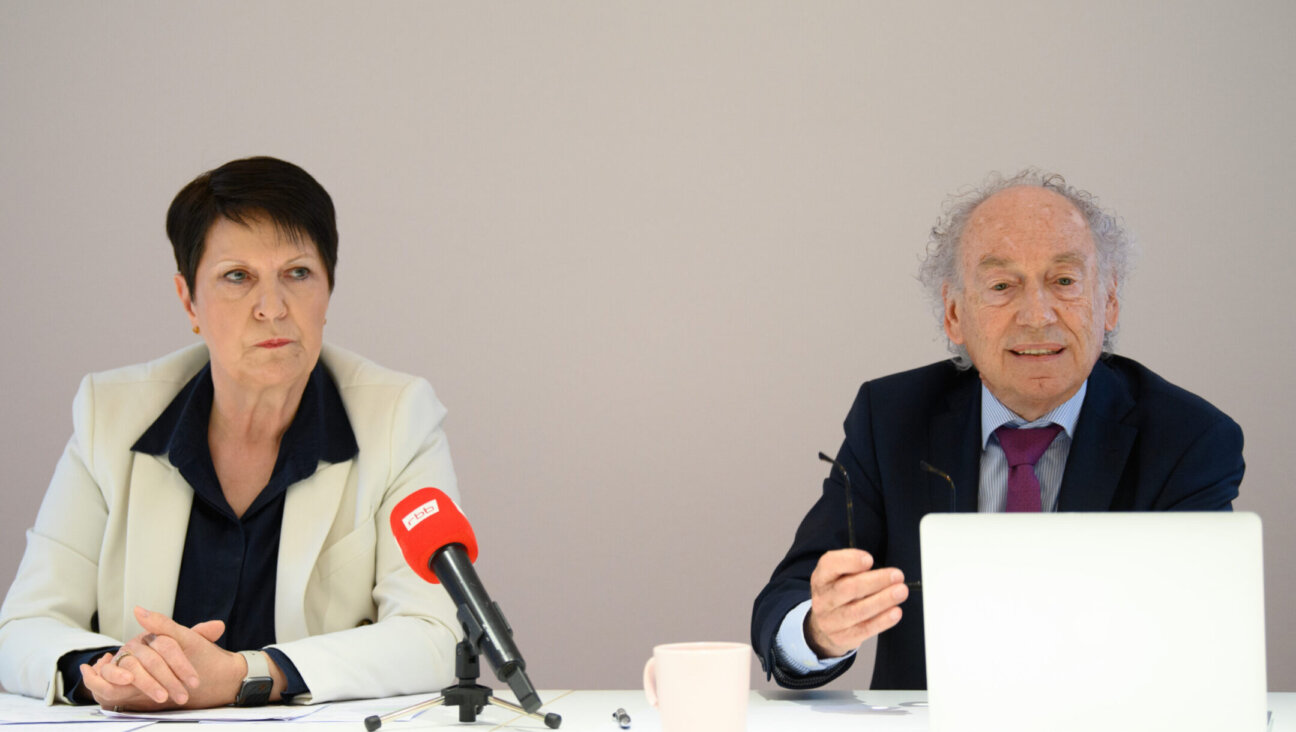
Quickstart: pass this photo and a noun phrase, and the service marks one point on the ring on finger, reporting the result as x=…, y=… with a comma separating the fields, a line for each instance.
x=119, y=655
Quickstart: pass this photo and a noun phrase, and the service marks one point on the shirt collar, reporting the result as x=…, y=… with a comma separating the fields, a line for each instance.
x=995, y=415
x=320, y=429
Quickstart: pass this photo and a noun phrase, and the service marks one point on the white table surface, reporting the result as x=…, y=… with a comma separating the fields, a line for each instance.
x=591, y=711
x=788, y=711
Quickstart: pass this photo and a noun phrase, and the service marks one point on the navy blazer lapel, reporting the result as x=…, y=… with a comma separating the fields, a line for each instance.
x=954, y=445
x=1101, y=445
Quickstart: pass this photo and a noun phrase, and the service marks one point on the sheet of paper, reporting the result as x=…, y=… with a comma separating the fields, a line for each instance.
x=272, y=712
x=102, y=726
x=16, y=709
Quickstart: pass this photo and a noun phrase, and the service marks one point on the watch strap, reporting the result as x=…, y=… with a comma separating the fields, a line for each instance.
x=258, y=665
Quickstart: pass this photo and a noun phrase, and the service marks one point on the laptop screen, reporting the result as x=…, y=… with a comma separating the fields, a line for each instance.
x=1094, y=621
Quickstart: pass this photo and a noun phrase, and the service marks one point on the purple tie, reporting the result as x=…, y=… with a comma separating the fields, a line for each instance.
x=1023, y=449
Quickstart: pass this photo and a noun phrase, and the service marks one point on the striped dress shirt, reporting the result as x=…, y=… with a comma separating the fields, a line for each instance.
x=992, y=496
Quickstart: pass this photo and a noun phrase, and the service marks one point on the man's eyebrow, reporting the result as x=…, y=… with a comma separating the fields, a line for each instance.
x=1071, y=258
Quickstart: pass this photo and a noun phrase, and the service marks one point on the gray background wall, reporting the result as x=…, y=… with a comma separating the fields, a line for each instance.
x=647, y=252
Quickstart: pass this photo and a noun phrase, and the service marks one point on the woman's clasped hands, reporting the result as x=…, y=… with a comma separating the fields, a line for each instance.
x=168, y=666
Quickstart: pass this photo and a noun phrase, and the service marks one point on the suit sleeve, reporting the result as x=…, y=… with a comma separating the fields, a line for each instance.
x=410, y=648
x=1208, y=473
x=824, y=529
x=47, y=612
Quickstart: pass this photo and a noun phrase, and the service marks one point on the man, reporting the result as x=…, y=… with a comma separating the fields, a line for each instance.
x=1032, y=413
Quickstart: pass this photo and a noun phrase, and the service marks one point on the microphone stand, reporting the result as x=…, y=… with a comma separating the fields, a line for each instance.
x=470, y=696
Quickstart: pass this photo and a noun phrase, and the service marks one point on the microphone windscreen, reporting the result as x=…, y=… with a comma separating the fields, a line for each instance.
x=426, y=520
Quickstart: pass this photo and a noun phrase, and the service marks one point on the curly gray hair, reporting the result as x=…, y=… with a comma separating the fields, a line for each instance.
x=940, y=266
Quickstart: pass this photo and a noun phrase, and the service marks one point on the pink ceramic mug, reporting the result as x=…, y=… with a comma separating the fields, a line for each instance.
x=700, y=686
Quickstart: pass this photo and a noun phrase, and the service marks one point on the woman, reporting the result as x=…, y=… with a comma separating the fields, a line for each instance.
x=234, y=496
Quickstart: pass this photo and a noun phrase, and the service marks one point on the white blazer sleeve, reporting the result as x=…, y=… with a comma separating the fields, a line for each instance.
x=48, y=609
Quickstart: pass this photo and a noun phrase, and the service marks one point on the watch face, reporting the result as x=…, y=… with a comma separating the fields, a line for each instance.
x=255, y=692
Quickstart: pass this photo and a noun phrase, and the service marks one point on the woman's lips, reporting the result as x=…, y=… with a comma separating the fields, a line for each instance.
x=274, y=342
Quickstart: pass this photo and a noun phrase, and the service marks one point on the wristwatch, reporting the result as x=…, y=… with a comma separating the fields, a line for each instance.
x=255, y=691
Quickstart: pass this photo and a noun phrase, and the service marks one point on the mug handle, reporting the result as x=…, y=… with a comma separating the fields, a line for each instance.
x=650, y=681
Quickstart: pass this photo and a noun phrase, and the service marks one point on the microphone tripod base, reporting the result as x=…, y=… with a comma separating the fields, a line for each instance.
x=468, y=695
x=471, y=700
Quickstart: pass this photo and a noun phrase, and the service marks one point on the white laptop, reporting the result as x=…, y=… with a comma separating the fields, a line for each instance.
x=1094, y=621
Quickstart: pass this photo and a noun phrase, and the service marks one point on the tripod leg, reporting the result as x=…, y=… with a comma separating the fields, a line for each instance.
x=374, y=722
x=551, y=720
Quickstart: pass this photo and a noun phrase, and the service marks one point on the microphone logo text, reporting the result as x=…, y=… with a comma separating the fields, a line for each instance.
x=413, y=518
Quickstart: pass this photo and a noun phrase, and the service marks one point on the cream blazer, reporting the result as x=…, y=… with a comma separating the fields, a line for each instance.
x=354, y=619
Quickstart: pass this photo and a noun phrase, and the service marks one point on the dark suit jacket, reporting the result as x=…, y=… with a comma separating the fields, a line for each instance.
x=1141, y=444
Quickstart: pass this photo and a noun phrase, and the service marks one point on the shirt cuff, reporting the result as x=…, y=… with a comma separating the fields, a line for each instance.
x=791, y=649
x=69, y=666
x=293, y=682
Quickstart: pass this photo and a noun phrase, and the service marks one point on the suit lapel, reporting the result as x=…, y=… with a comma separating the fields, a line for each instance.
x=157, y=521
x=1101, y=446
x=309, y=510
x=954, y=446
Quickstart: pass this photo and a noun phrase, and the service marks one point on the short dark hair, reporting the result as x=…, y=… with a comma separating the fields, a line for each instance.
x=246, y=190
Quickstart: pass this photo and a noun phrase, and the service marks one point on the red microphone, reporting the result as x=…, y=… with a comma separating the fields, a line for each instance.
x=439, y=545
x=424, y=522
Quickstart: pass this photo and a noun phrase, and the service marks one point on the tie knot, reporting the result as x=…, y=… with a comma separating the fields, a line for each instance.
x=1024, y=447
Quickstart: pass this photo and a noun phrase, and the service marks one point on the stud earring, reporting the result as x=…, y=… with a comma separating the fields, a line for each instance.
x=195, y=330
